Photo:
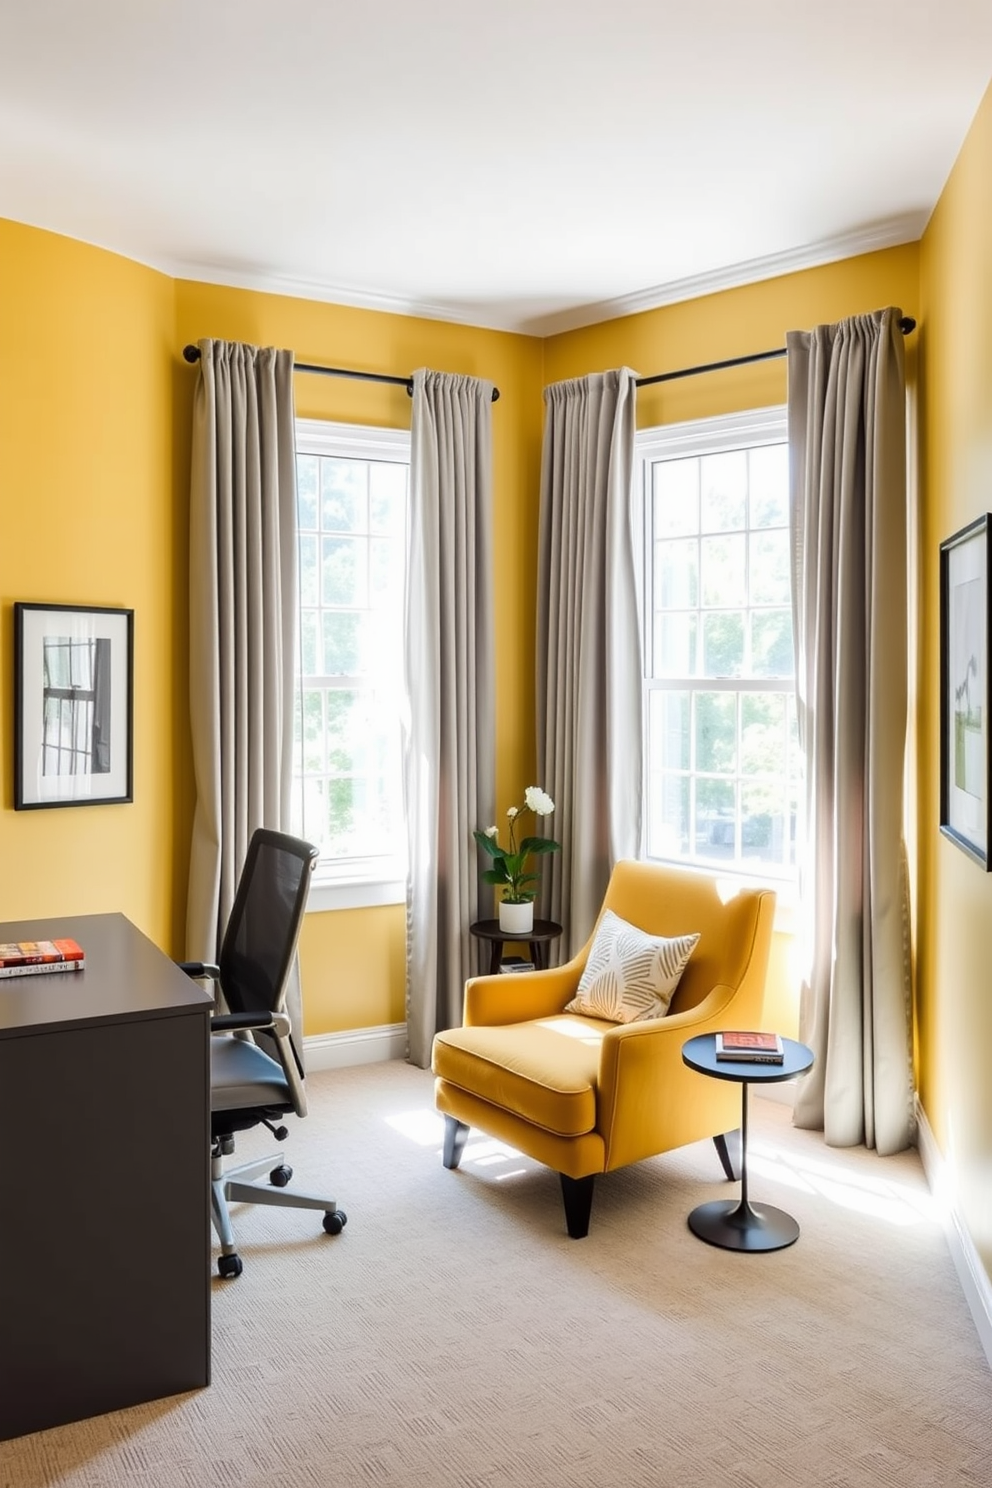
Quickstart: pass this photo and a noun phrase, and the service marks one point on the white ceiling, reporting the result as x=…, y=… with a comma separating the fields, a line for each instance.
x=524, y=164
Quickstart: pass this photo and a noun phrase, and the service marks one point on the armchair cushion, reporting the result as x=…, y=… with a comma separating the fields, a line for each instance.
x=629, y=974
x=544, y=1072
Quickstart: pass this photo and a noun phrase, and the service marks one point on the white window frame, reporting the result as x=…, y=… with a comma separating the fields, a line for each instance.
x=355, y=883
x=716, y=435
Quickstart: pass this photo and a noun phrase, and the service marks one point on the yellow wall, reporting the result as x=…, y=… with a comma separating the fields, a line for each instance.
x=88, y=517
x=955, y=897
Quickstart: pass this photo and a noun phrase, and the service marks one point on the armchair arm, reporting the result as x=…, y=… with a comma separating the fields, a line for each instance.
x=649, y=1101
x=500, y=999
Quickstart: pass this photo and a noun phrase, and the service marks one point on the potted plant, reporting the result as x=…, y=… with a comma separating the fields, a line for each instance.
x=510, y=870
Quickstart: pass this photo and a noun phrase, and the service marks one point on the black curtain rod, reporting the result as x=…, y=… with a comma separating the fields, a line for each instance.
x=906, y=325
x=192, y=354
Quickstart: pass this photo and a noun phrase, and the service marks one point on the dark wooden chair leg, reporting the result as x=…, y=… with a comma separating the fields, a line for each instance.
x=577, y=1197
x=728, y=1147
x=455, y=1134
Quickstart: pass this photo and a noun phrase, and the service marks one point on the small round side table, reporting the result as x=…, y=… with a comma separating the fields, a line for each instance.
x=538, y=938
x=742, y=1225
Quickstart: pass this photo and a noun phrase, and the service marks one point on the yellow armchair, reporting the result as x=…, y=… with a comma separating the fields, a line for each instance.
x=584, y=1095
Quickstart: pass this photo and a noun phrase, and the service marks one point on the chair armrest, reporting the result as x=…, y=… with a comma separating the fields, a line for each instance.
x=197, y=969
x=277, y=1024
x=501, y=999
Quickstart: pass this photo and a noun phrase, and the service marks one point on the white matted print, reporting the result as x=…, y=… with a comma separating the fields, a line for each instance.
x=964, y=690
x=73, y=705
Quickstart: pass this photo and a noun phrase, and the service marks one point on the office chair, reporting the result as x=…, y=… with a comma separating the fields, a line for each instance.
x=248, y=1085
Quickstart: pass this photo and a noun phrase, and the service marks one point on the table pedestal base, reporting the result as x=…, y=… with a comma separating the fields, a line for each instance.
x=743, y=1226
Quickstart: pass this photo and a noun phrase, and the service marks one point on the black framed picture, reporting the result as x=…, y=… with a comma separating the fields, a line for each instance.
x=73, y=705
x=965, y=794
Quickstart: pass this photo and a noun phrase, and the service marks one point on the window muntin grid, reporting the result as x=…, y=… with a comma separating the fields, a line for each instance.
x=351, y=524
x=722, y=762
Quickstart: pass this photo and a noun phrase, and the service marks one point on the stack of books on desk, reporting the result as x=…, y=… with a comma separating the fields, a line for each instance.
x=29, y=957
x=750, y=1048
x=515, y=963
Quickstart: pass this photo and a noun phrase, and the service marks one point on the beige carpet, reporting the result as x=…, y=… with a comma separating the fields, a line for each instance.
x=454, y=1336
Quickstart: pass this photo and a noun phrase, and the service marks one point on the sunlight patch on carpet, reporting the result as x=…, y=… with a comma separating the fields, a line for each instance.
x=878, y=1198
x=423, y=1126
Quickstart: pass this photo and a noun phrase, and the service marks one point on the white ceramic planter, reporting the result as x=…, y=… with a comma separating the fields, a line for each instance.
x=516, y=919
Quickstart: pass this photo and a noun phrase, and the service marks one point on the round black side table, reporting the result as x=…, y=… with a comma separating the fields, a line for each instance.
x=538, y=938
x=741, y=1225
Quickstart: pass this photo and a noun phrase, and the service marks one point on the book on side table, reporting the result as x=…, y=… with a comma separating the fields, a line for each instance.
x=31, y=957
x=750, y=1048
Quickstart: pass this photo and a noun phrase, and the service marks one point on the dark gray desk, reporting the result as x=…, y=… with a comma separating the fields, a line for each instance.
x=104, y=1179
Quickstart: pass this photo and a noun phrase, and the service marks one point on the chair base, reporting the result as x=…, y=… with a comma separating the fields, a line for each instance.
x=237, y=1186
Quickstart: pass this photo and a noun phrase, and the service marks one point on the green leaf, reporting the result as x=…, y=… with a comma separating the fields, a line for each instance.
x=496, y=875
x=539, y=845
x=488, y=844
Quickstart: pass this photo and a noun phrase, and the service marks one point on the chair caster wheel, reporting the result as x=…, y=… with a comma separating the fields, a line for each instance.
x=335, y=1222
x=229, y=1266
x=280, y=1176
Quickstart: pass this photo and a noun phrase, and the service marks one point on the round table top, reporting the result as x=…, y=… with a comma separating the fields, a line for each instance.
x=492, y=930
x=699, y=1053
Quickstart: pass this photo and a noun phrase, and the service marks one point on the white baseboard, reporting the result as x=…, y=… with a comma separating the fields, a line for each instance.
x=322, y=1051
x=971, y=1272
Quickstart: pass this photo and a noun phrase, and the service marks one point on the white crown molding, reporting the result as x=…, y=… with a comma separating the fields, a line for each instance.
x=889, y=234
x=972, y=1275
x=333, y=294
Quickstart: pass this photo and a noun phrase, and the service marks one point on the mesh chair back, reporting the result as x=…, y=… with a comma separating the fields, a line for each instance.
x=262, y=933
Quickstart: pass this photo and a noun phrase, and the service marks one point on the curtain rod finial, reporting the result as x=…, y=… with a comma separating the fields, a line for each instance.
x=191, y=353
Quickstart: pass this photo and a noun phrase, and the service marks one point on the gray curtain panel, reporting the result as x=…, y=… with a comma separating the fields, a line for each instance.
x=242, y=622
x=449, y=738
x=589, y=669
x=847, y=442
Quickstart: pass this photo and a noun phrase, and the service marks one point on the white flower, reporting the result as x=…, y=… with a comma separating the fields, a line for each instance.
x=538, y=801
x=492, y=832
x=511, y=811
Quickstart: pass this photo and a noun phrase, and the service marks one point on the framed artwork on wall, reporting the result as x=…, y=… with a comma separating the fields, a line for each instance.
x=965, y=793
x=73, y=705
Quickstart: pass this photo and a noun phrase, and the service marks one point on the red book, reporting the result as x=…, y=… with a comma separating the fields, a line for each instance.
x=759, y=1048
x=22, y=957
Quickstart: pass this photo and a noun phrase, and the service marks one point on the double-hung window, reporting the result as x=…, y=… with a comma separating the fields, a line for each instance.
x=723, y=773
x=352, y=485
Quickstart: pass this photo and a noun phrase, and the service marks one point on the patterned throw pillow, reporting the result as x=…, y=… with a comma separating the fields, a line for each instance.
x=630, y=975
